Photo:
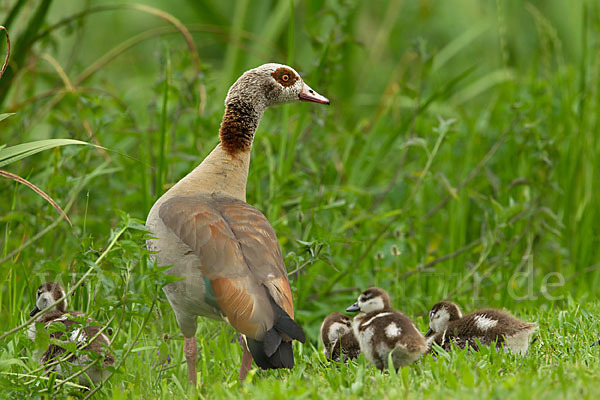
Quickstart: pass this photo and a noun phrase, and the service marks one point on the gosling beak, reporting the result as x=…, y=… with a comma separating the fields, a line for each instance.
x=353, y=308
x=307, y=94
x=34, y=311
x=429, y=332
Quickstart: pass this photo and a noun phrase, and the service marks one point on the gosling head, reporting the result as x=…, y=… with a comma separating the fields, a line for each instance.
x=47, y=294
x=334, y=326
x=441, y=315
x=271, y=84
x=372, y=299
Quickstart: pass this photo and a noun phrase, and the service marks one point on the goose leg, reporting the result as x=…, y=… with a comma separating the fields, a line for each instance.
x=191, y=356
x=246, y=359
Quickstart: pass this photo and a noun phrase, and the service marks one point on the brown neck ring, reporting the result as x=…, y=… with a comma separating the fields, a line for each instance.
x=239, y=124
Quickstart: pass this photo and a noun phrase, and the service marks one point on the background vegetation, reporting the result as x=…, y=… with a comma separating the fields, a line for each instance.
x=457, y=160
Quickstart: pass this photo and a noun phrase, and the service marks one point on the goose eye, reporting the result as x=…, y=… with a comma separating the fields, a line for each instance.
x=285, y=78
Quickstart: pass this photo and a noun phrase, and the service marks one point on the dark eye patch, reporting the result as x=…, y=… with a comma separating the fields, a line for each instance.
x=368, y=295
x=284, y=76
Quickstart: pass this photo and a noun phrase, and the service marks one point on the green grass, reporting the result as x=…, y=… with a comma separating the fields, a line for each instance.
x=458, y=160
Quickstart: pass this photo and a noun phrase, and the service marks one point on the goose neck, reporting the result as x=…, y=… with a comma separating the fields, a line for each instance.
x=239, y=124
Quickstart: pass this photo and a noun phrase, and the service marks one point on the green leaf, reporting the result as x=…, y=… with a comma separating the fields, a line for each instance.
x=163, y=353
x=69, y=346
x=5, y=115
x=11, y=154
x=5, y=364
x=56, y=327
x=42, y=337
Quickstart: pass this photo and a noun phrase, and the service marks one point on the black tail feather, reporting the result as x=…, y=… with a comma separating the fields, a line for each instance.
x=274, y=351
x=282, y=357
x=284, y=323
x=271, y=342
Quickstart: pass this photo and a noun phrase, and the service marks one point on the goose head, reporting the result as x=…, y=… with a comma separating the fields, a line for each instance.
x=47, y=294
x=272, y=84
x=372, y=299
x=333, y=326
x=441, y=315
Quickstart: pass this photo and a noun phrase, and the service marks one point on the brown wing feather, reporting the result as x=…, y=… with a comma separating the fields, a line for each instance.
x=279, y=288
x=236, y=304
x=203, y=229
x=238, y=252
x=261, y=249
x=256, y=238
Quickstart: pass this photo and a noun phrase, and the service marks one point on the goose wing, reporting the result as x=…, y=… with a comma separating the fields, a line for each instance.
x=238, y=253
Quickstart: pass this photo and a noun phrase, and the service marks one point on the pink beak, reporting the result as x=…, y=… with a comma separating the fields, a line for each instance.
x=307, y=94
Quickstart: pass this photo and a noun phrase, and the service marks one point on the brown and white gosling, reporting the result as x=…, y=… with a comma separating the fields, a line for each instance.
x=381, y=330
x=90, y=337
x=338, y=339
x=447, y=325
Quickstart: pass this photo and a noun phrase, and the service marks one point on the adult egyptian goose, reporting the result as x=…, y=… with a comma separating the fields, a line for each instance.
x=338, y=339
x=447, y=325
x=89, y=336
x=224, y=248
x=381, y=330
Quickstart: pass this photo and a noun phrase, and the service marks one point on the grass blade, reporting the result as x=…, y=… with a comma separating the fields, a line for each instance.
x=458, y=44
x=23, y=45
x=11, y=154
x=5, y=115
x=163, y=127
x=7, y=51
x=13, y=13
x=36, y=189
x=232, y=52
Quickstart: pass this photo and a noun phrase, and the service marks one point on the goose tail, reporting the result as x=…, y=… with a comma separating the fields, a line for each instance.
x=275, y=350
